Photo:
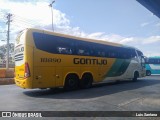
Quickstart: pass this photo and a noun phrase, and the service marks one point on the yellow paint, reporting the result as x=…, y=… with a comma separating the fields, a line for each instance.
x=52, y=74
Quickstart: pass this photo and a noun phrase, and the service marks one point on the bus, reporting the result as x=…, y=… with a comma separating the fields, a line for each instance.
x=152, y=65
x=45, y=59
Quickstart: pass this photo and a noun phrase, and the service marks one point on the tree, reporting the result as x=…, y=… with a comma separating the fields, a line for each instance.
x=3, y=50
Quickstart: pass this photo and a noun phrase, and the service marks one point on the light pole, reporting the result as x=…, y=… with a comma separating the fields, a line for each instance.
x=8, y=37
x=50, y=5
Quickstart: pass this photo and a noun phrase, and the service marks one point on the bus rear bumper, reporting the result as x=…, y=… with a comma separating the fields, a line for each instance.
x=21, y=83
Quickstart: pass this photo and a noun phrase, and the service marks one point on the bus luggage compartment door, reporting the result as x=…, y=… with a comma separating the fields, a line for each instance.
x=44, y=77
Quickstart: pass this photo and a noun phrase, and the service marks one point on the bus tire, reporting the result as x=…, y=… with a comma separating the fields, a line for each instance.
x=148, y=72
x=71, y=82
x=136, y=75
x=86, y=81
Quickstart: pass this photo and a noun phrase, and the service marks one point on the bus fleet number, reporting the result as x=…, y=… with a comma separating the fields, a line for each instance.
x=55, y=60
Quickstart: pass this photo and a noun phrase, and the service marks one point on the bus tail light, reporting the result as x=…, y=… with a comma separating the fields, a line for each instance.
x=27, y=71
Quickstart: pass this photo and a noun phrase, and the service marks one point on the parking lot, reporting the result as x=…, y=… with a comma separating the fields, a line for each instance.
x=142, y=95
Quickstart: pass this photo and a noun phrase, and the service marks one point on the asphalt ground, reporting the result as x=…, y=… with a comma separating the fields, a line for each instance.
x=143, y=95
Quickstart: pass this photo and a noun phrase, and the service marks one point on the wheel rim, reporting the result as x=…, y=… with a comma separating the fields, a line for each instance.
x=148, y=73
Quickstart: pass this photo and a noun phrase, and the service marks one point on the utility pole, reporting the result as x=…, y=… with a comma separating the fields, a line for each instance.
x=8, y=22
x=50, y=5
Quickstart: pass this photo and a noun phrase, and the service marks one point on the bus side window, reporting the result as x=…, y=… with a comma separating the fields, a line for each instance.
x=122, y=53
x=146, y=60
x=83, y=48
x=101, y=53
x=99, y=50
x=156, y=61
x=111, y=54
x=63, y=50
x=64, y=46
x=151, y=61
x=82, y=52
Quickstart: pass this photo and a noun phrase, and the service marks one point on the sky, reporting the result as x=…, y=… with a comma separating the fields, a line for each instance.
x=121, y=21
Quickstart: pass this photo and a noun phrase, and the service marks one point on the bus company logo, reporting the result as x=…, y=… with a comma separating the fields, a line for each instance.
x=90, y=61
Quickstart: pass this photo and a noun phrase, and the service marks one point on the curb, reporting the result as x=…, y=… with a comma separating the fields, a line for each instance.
x=6, y=81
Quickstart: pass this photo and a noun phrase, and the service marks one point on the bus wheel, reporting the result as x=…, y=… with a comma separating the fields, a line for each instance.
x=86, y=81
x=136, y=75
x=148, y=73
x=71, y=82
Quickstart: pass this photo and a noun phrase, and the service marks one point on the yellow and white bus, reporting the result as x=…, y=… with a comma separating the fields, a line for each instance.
x=45, y=59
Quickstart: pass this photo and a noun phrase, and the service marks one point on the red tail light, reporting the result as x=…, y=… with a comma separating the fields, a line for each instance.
x=27, y=71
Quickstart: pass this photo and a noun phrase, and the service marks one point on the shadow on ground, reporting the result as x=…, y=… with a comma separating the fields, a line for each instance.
x=97, y=90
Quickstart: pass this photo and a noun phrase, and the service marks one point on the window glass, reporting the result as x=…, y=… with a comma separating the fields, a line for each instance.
x=139, y=53
x=83, y=48
x=63, y=50
x=61, y=45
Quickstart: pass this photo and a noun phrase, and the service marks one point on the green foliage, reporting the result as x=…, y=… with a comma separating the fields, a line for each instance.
x=3, y=50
